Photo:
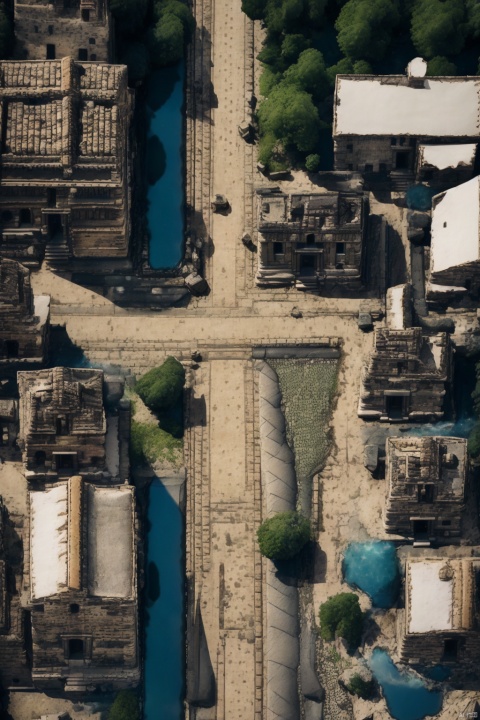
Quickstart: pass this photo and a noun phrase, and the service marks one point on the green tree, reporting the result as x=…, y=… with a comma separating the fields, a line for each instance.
x=312, y=163
x=438, y=25
x=309, y=73
x=360, y=687
x=283, y=536
x=473, y=17
x=268, y=80
x=343, y=67
x=362, y=67
x=167, y=41
x=178, y=8
x=161, y=388
x=441, y=66
x=129, y=14
x=365, y=28
x=290, y=115
x=316, y=12
x=292, y=46
x=6, y=32
x=284, y=15
x=271, y=55
x=255, y=9
x=341, y=615
x=474, y=441
x=136, y=58
x=125, y=706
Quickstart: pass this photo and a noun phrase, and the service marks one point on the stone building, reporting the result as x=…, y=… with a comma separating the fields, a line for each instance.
x=407, y=127
x=454, y=268
x=50, y=29
x=312, y=241
x=64, y=429
x=83, y=590
x=440, y=620
x=24, y=318
x=425, y=487
x=65, y=186
x=406, y=377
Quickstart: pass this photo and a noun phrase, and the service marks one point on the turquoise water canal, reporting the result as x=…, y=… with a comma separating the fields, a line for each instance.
x=165, y=160
x=406, y=694
x=373, y=568
x=164, y=631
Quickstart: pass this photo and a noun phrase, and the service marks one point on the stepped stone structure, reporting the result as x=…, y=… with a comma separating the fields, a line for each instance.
x=425, y=487
x=83, y=589
x=440, y=620
x=423, y=128
x=312, y=241
x=406, y=377
x=64, y=430
x=24, y=318
x=65, y=190
x=49, y=29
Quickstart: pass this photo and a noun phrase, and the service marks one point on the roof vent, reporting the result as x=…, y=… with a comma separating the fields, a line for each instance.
x=416, y=71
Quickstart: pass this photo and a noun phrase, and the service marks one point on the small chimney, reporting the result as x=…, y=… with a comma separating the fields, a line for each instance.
x=416, y=71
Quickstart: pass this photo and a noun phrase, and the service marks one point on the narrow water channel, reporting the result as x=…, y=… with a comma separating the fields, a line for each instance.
x=164, y=622
x=165, y=160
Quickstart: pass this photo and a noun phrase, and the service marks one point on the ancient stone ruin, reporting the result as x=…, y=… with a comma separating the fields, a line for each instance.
x=49, y=29
x=425, y=487
x=312, y=241
x=406, y=377
x=65, y=163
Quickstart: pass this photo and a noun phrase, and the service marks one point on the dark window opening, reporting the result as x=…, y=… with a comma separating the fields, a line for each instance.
x=446, y=522
x=278, y=248
x=349, y=147
x=368, y=167
x=35, y=28
x=450, y=649
x=420, y=528
x=65, y=462
x=50, y=29
x=7, y=216
x=15, y=680
x=93, y=57
x=425, y=493
x=82, y=54
x=310, y=239
x=340, y=248
x=12, y=348
x=400, y=368
x=40, y=457
x=394, y=141
x=39, y=608
x=76, y=649
x=51, y=197
x=21, y=295
x=25, y=216
x=74, y=608
x=50, y=52
x=382, y=167
x=62, y=426
x=85, y=15
x=402, y=160
x=395, y=407
x=468, y=285
x=91, y=41
x=402, y=141
x=349, y=166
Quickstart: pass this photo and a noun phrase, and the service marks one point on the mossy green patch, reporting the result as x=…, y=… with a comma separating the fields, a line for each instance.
x=150, y=444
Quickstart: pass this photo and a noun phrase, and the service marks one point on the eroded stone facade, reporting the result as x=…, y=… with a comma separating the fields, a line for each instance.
x=65, y=189
x=314, y=241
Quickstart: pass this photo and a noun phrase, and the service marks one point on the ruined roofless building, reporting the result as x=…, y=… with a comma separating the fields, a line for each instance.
x=440, y=623
x=407, y=126
x=315, y=241
x=64, y=430
x=65, y=170
x=24, y=318
x=50, y=29
x=406, y=376
x=83, y=587
x=425, y=487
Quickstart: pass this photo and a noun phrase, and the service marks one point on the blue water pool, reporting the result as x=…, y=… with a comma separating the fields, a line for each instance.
x=373, y=568
x=165, y=156
x=439, y=673
x=164, y=631
x=406, y=695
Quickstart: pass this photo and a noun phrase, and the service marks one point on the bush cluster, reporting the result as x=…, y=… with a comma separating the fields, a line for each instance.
x=361, y=687
x=341, y=616
x=282, y=536
x=151, y=35
x=161, y=388
x=125, y=706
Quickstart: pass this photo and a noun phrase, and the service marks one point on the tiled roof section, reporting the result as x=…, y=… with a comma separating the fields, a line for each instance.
x=102, y=77
x=34, y=129
x=31, y=74
x=99, y=130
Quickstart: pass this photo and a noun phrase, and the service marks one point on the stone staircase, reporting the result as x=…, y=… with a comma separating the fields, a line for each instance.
x=401, y=180
x=57, y=253
x=76, y=683
x=307, y=284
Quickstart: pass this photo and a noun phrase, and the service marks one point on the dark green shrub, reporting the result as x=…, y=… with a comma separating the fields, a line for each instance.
x=474, y=441
x=438, y=26
x=365, y=28
x=291, y=116
x=441, y=66
x=283, y=536
x=255, y=9
x=341, y=615
x=125, y=706
x=136, y=58
x=360, y=687
x=129, y=14
x=312, y=163
x=161, y=388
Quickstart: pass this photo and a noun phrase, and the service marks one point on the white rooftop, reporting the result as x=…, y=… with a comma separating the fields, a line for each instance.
x=48, y=541
x=387, y=105
x=455, y=227
x=448, y=156
x=431, y=599
x=110, y=541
